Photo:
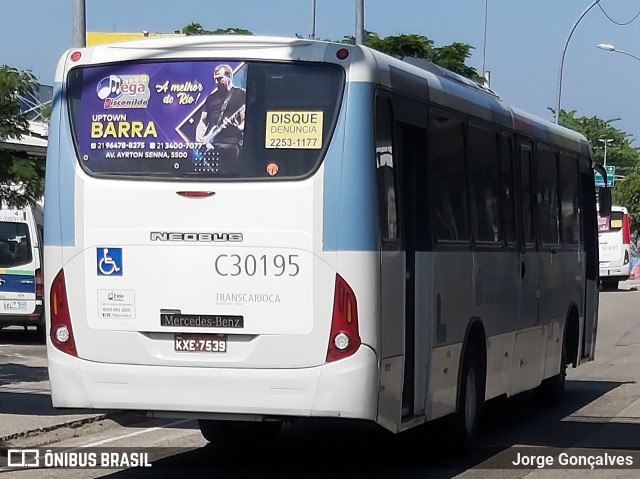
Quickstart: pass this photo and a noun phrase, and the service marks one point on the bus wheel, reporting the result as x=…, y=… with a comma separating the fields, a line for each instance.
x=466, y=421
x=231, y=433
x=609, y=284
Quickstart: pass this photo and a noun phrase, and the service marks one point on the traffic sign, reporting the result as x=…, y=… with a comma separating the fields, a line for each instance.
x=611, y=171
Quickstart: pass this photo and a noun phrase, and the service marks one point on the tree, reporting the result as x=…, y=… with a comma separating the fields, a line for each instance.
x=21, y=176
x=197, y=29
x=627, y=193
x=620, y=153
x=451, y=57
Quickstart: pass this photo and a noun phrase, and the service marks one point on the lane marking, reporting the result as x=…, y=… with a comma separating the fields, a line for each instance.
x=136, y=433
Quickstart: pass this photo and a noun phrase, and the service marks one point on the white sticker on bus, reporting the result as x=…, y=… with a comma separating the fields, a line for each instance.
x=116, y=304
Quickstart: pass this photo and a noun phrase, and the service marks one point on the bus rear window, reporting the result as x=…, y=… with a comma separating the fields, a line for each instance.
x=203, y=120
x=15, y=244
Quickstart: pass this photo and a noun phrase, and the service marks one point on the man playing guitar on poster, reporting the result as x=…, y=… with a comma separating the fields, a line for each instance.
x=221, y=124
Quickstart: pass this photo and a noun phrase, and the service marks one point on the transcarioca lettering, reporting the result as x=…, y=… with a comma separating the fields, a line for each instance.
x=247, y=298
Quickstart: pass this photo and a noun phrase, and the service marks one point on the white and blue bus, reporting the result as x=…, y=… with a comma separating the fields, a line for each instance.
x=21, y=278
x=344, y=235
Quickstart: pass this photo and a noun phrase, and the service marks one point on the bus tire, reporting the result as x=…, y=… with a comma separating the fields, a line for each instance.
x=610, y=284
x=466, y=420
x=233, y=433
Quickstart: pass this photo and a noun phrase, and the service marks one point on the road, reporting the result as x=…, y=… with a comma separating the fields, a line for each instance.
x=600, y=414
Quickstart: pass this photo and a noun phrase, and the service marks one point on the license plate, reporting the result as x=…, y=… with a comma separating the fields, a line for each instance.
x=15, y=305
x=200, y=343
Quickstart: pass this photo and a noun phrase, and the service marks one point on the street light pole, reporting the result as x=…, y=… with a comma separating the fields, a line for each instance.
x=610, y=48
x=360, y=22
x=313, y=19
x=484, y=42
x=606, y=142
x=79, y=24
x=564, y=51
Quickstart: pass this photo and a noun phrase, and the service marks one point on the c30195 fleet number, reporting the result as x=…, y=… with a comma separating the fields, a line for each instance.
x=252, y=265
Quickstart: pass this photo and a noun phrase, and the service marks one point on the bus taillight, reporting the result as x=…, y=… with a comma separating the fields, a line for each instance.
x=344, y=339
x=39, y=284
x=626, y=232
x=61, y=330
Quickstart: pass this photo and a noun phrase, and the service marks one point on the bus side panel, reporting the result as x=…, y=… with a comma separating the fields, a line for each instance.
x=453, y=295
x=497, y=284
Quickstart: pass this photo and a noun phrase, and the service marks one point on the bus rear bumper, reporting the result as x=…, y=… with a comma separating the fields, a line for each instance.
x=345, y=388
x=621, y=273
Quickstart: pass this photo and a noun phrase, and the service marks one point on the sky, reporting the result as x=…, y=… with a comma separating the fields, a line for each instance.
x=525, y=39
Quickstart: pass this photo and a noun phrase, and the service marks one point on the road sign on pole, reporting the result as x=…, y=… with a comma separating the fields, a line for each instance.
x=611, y=171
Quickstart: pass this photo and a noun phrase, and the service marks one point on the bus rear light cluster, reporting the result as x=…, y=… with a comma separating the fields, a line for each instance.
x=61, y=330
x=39, y=284
x=344, y=339
x=626, y=230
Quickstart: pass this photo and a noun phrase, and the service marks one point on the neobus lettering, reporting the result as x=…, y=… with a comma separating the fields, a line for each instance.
x=193, y=237
x=123, y=129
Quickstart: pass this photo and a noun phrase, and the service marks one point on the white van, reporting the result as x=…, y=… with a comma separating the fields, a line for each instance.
x=614, y=237
x=21, y=286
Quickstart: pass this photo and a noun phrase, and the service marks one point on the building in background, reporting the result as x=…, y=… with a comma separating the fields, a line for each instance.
x=98, y=38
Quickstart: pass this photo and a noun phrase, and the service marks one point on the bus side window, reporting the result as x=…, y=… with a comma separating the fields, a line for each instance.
x=569, y=200
x=448, y=177
x=526, y=189
x=485, y=185
x=507, y=188
x=548, y=196
x=388, y=204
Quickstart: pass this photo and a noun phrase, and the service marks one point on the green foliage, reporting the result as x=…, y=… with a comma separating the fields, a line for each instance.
x=451, y=57
x=197, y=29
x=21, y=177
x=13, y=82
x=627, y=193
x=619, y=151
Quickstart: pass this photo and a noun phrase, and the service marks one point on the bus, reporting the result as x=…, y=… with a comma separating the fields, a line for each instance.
x=370, y=238
x=614, y=237
x=21, y=279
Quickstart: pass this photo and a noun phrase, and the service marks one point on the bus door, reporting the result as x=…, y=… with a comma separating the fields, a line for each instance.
x=392, y=270
x=397, y=153
x=590, y=243
x=412, y=164
x=527, y=343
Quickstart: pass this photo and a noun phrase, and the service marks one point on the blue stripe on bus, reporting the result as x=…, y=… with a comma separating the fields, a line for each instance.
x=61, y=164
x=350, y=205
x=17, y=283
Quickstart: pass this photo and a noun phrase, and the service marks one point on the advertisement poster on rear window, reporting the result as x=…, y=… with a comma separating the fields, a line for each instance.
x=173, y=119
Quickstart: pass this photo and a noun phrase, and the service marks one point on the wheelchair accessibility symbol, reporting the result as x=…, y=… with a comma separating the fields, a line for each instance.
x=109, y=261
